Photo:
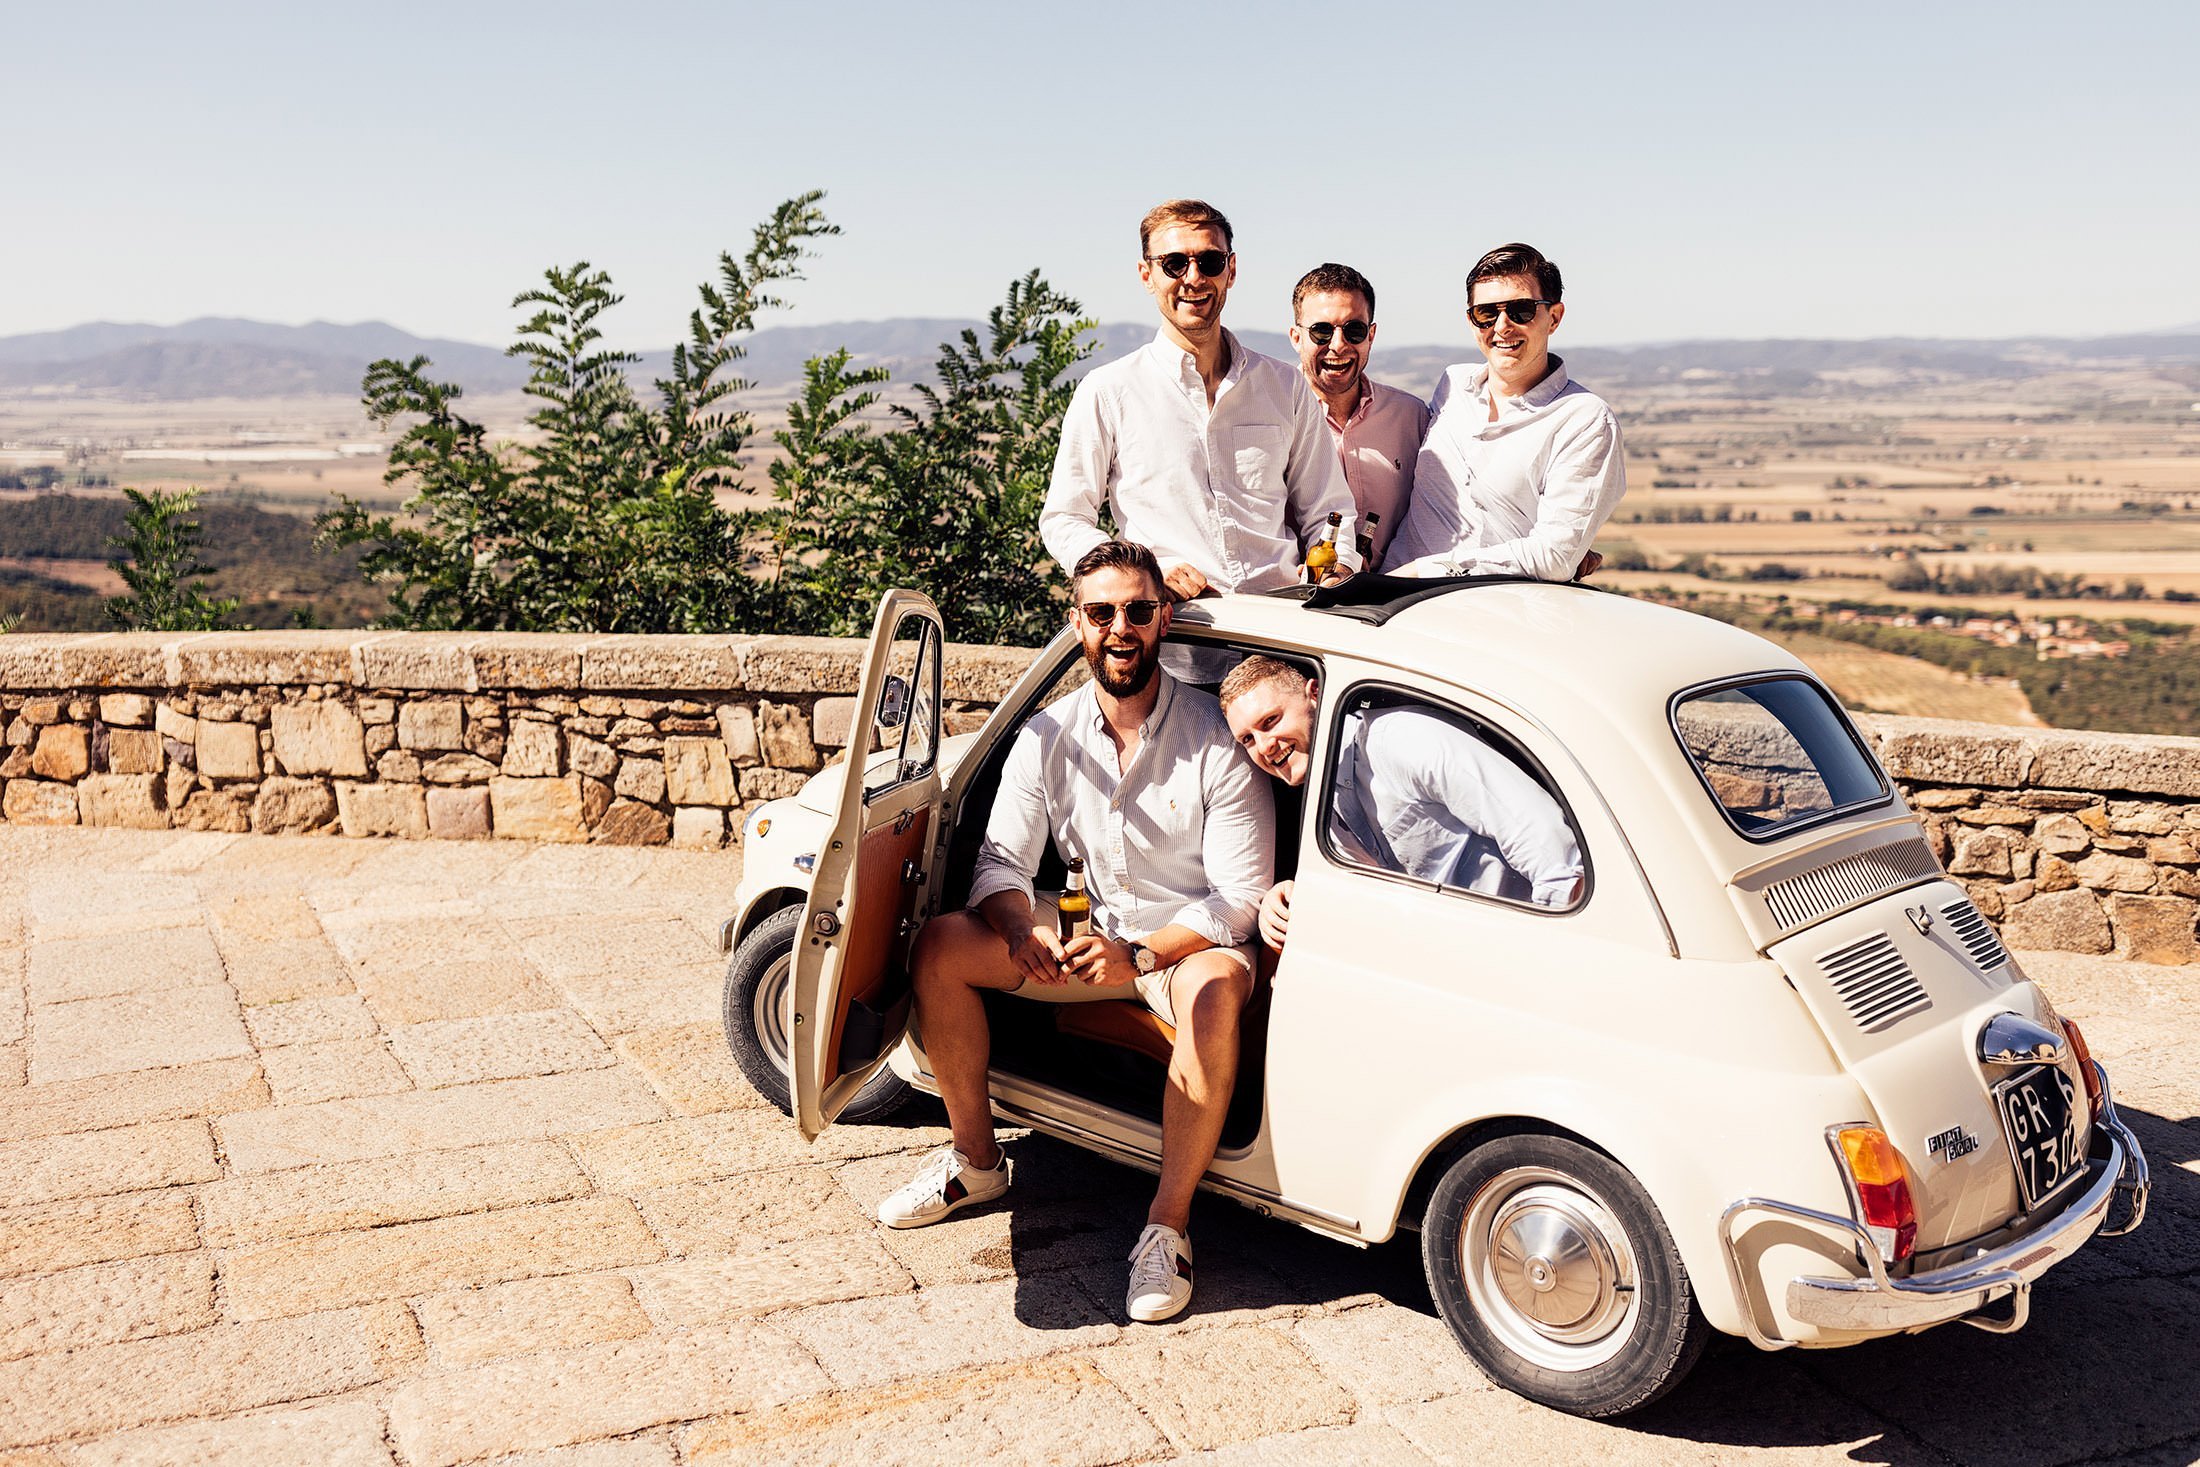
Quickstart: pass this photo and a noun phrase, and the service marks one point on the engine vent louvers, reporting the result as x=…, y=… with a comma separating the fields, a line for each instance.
x=1795, y=900
x=1874, y=983
x=1977, y=937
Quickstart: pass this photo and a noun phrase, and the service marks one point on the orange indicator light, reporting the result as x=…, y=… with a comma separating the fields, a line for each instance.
x=1883, y=1190
x=2093, y=1095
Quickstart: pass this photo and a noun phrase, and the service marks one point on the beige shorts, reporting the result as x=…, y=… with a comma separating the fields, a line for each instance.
x=1152, y=987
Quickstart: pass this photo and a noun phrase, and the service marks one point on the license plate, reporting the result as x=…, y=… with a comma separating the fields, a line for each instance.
x=2041, y=1116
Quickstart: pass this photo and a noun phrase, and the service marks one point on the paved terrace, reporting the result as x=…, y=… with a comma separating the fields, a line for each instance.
x=366, y=1152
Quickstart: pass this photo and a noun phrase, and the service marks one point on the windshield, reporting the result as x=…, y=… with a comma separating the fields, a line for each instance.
x=1776, y=753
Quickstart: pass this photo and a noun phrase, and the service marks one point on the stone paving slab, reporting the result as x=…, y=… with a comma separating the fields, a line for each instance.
x=438, y=1157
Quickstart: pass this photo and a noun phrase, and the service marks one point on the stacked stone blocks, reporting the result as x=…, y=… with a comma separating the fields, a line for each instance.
x=612, y=740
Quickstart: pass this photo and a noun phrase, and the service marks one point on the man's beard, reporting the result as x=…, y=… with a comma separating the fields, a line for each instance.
x=1130, y=684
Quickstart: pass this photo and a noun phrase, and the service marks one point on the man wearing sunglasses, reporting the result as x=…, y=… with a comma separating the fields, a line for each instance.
x=1133, y=772
x=1377, y=428
x=1522, y=465
x=1213, y=455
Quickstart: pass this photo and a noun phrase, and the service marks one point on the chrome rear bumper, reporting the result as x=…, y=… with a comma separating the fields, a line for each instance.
x=1881, y=1304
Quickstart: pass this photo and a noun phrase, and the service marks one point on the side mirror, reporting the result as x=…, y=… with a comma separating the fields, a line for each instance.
x=893, y=702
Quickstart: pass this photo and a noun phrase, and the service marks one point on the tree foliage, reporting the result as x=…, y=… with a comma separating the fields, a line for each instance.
x=605, y=520
x=159, y=562
x=945, y=498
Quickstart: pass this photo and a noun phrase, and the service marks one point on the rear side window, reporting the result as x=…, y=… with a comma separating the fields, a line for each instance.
x=1776, y=753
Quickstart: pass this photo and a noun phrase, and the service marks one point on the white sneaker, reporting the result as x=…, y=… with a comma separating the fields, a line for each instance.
x=1161, y=1275
x=945, y=1182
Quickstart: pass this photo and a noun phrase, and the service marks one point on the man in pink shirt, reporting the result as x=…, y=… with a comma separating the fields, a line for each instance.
x=1378, y=428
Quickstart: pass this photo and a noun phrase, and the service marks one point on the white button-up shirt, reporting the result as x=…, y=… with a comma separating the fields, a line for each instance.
x=1524, y=495
x=1186, y=834
x=1237, y=490
x=1425, y=797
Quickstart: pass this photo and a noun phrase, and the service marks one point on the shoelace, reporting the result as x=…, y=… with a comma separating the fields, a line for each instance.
x=1153, y=1261
x=933, y=1175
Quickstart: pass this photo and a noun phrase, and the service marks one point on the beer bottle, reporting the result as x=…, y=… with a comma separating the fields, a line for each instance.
x=1321, y=556
x=1364, y=541
x=1073, y=910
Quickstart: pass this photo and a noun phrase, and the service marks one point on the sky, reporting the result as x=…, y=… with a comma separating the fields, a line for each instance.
x=1949, y=169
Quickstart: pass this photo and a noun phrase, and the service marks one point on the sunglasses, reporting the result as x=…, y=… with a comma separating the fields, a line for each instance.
x=1354, y=331
x=1211, y=263
x=1102, y=613
x=1520, y=312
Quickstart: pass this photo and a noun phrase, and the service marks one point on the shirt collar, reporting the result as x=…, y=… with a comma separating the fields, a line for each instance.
x=1176, y=360
x=1541, y=395
x=1155, y=716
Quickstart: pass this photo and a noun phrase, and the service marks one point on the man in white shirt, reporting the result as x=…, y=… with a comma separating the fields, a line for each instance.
x=1414, y=793
x=1522, y=465
x=1135, y=774
x=1378, y=427
x=1214, y=456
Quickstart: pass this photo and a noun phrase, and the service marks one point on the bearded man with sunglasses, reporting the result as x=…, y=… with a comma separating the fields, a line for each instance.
x=1216, y=457
x=1377, y=428
x=1522, y=465
x=1136, y=774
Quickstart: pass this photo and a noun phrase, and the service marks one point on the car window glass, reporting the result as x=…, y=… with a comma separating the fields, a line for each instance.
x=899, y=735
x=1424, y=791
x=1774, y=753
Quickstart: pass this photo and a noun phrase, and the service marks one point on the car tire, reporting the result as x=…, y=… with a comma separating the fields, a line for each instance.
x=1557, y=1275
x=756, y=1021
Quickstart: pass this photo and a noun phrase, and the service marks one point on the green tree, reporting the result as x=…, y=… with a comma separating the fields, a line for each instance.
x=944, y=498
x=159, y=561
x=605, y=520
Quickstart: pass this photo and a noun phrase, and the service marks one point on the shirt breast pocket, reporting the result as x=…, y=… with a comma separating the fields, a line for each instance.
x=1259, y=454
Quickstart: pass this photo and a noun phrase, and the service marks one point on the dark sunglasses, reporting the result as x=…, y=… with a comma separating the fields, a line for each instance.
x=1354, y=331
x=1173, y=264
x=1521, y=312
x=1102, y=613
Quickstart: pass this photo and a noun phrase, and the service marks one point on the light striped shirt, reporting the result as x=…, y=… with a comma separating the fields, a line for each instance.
x=1238, y=490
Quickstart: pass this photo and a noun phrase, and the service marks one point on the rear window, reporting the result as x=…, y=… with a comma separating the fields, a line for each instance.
x=1776, y=753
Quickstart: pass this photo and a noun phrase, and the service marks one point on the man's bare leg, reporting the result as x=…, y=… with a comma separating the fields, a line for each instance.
x=1209, y=993
x=957, y=955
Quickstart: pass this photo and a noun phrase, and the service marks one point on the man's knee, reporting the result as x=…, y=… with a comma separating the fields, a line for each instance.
x=943, y=948
x=1209, y=995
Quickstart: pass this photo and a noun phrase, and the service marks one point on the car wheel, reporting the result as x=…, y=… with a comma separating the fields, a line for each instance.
x=1555, y=1272
x=757, y=987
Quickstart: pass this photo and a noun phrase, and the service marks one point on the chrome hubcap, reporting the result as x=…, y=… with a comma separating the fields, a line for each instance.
x=1549, y=1268
x=768, y=1009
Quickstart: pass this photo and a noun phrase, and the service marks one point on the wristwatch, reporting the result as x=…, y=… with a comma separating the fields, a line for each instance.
x=1144, y=957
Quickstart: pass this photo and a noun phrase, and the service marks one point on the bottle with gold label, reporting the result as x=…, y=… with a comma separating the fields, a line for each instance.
x=1321, y=556
x=1073, y=909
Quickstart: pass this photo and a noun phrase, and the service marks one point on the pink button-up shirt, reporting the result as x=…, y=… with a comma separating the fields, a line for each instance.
x=1378, y=444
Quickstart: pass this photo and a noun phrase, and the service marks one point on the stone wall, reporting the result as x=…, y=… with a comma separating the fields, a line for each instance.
x=619, y=740
x=2081, y=841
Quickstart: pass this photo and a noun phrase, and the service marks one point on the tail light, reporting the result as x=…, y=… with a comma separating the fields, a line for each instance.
x=1882, y=1185
x=2093, y=1095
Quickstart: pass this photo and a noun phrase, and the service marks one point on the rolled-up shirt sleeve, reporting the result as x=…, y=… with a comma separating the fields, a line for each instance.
x=1016, y=831
x=1069, y=520
x=1238, y=843
x=1586, y=478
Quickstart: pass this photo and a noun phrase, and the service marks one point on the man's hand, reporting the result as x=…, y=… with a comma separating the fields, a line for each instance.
x=1275, y=915
x=1095, y=960
x=1588, y=566
x=1183, y=581
x=1038, y=956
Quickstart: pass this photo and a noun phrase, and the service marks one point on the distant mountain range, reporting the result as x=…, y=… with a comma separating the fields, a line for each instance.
x=223, y=357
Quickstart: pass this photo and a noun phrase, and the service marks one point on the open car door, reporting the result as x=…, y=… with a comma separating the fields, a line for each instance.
x=851, y=990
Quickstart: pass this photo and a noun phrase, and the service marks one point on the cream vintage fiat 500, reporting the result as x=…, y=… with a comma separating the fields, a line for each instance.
x=1769, y=1072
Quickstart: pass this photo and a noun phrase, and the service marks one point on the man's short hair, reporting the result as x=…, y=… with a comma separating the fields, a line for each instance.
x=1254, y=671
x=1517, y=259
x=1181, y=211
x=1339, y=278
x=1119, y=555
